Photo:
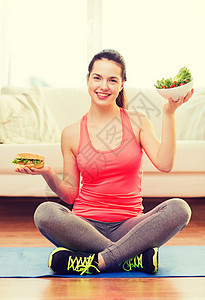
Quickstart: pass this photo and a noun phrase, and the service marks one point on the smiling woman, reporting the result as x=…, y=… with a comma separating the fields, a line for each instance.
x=102, y=181
x=111, y=78
x=102, y=85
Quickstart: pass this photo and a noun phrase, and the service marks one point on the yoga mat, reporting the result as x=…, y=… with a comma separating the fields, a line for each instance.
x=174, y=261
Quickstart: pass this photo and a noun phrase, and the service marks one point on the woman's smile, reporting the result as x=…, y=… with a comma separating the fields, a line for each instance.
x=102, y=95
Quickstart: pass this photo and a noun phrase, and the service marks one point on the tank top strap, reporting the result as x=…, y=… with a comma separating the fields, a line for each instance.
x=127, y=126
x=84, y=138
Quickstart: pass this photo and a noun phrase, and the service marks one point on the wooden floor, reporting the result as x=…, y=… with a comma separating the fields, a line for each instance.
x=17, y=229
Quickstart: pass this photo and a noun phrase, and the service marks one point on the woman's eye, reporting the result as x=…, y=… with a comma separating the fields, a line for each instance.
x=113, y=80
x=97, y=78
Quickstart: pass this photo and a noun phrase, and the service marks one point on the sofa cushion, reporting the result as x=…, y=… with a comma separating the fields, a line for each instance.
x=25, y=118
x=190, y=118
x=67, y=105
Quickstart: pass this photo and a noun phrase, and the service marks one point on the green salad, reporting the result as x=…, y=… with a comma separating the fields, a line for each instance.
x=182, y=77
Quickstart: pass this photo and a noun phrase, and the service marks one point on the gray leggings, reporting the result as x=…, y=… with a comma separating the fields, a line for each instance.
x=116, y=241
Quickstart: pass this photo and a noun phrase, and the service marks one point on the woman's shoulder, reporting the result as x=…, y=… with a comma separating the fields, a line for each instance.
x=71, y=129
x=70, y=136
x=135, y=113
x=137, y=118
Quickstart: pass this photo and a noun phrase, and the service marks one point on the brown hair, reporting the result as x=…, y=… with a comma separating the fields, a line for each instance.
x=115, y=56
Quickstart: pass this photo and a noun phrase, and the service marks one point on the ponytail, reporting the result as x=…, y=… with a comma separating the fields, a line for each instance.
x=121, y=100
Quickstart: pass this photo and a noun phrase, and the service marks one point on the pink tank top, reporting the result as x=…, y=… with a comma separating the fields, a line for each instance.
x=111, y=180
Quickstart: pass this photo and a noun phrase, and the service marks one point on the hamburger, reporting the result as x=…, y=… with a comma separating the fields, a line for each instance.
x=29, y=160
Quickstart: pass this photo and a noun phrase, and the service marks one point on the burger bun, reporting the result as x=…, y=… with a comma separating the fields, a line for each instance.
x=31, y=165
x=30, y=156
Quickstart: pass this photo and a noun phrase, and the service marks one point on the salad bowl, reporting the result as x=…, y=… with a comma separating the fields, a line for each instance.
x=175, y=92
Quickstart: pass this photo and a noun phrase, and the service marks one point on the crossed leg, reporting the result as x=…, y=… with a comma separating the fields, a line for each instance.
x=136, y=235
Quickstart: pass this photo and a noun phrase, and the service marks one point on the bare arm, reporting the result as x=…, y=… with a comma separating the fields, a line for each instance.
x=68, y=187
x=162, y=154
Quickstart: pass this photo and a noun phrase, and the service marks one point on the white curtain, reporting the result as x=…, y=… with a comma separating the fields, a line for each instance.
x=4, y=42
x=94, y=27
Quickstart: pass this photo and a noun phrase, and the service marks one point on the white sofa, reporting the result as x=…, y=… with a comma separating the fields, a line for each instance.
x=62, y=106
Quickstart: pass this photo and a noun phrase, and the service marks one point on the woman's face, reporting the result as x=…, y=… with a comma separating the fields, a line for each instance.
x=104, y=82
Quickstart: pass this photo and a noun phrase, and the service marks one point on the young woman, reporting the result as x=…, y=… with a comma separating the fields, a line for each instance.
x=107, y=229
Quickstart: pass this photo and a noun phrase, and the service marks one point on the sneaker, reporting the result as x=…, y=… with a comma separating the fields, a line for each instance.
x=146, y=262
x=65, y=261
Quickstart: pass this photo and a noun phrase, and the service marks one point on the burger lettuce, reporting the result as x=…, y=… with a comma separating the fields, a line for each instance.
x=24, y=161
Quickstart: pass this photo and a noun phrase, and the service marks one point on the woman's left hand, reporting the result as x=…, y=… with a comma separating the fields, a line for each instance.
x=171, y=106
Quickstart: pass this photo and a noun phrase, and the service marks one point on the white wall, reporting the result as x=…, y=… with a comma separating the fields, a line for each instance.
x=54, y=40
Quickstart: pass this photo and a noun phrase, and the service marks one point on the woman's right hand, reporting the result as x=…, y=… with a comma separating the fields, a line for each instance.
x=33, y=171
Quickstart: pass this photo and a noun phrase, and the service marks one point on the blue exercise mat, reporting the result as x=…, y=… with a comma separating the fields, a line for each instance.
x=174, y=261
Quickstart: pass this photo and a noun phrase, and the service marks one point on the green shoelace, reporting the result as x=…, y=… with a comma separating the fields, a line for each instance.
x=81, y=264
x=135, y=262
